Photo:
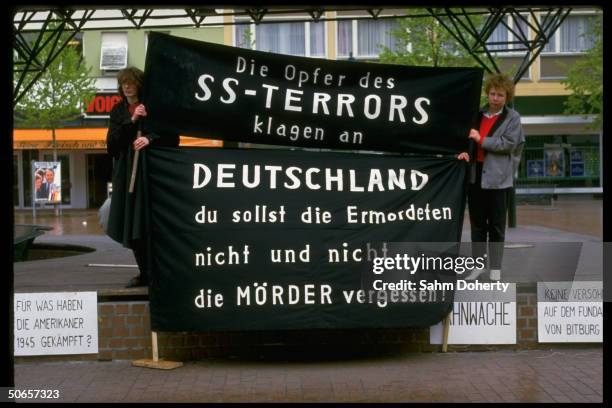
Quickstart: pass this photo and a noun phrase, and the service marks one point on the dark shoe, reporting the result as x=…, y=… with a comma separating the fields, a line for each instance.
x=135, y=282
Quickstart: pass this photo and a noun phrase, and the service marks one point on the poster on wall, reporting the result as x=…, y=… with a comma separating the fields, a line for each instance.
x=535, y=168
x=554, y=162
x=47, y=178
x=576, y=163
x=576, y=155
x=577, y=169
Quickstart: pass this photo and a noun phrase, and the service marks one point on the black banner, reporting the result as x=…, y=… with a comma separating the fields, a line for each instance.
x=214, y=91
x=269, y=239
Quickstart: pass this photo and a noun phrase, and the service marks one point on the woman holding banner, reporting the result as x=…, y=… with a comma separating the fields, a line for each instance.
x=125, y=132
x=498, y=146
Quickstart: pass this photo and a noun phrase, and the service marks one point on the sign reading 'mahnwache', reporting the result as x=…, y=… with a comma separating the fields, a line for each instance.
x=208, y=90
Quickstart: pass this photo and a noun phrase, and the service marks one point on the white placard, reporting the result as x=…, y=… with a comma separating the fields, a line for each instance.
x=56, y=323
x=570, y=312
x=480, y=317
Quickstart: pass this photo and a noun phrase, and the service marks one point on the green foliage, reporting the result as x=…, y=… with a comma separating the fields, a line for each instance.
x=59, y=95
x=585, y=80
x=430, y=44
x=247, y=39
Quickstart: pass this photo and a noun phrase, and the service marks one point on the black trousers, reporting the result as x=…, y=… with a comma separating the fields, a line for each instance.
x=139, y=248
x=488, y=210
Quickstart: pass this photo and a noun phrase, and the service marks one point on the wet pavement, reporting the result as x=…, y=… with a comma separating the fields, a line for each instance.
x=495, y=376
x=580, y=215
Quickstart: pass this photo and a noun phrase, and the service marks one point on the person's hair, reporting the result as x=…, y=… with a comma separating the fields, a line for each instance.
x=38, y=176
x=131, y=74
x=50, y=169
x=500, y=81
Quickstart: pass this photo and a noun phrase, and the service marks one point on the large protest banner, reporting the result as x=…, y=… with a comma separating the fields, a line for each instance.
x=276, y=239
x=215, y=91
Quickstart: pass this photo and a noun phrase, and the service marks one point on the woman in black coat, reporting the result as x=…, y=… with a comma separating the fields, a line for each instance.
x=126, y=225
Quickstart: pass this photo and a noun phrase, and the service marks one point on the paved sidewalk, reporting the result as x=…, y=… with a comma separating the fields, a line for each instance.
x=567, y=375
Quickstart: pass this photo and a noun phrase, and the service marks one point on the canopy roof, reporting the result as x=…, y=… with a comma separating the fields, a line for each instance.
x=38, y=20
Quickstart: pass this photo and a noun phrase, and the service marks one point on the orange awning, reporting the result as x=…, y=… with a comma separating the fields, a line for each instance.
x=83, y=138
x=199, y=142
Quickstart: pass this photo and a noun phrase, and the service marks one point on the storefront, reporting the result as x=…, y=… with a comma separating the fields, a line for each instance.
x=86, y=167
x=561, y=152
x=570, y=162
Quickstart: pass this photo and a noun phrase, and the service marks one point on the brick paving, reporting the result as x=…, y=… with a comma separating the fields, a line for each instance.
x=557, y=375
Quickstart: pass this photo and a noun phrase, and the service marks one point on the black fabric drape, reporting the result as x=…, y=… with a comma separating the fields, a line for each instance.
x=176, y=238
x=128, y=213
x=214, y=91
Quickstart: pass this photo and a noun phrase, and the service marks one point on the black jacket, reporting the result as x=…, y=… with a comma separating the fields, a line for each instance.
x=122, y=132
x=127, y=218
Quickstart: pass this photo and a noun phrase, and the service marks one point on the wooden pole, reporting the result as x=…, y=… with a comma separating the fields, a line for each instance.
x=445, y=333
x=135, y=162
x=154, y=345
x=134, y=169
x=156, y=362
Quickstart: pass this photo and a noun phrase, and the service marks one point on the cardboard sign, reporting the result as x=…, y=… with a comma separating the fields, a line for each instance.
x=56, y=323
x=570, y=312
x=480, y=317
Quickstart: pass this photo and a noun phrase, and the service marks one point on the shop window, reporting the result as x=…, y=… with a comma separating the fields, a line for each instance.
x=99, y=175
x=563, y=160
x=28, y=156
x=15, y=180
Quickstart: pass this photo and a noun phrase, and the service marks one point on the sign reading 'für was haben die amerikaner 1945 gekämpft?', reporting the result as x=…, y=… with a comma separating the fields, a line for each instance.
x=56, y=323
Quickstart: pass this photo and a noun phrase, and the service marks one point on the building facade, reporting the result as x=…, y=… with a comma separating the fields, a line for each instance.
x=561, y=150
